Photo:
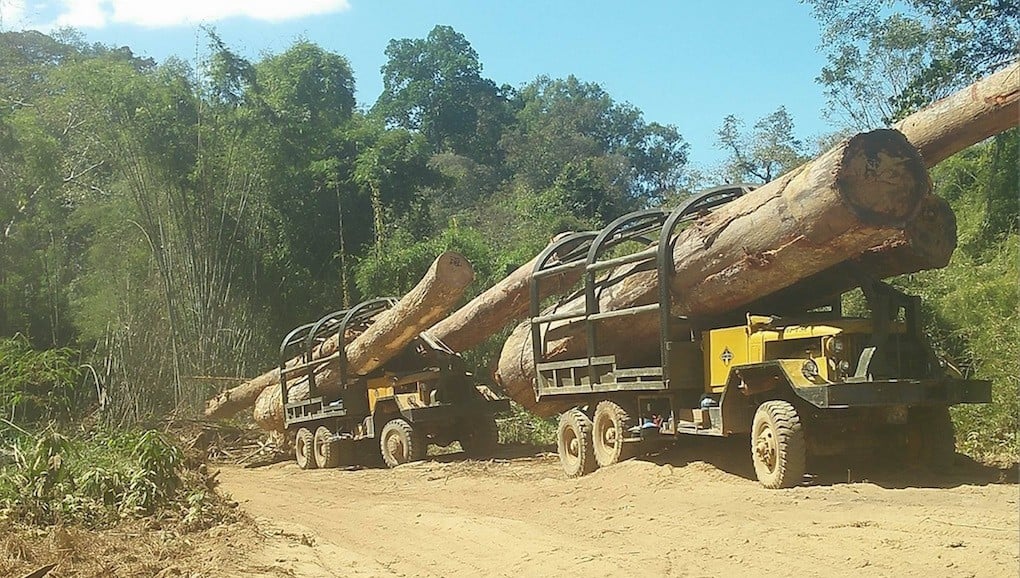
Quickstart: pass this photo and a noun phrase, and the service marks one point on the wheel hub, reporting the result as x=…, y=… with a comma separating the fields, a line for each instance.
x=609, y=436
x=765, y=448
x=395, y=448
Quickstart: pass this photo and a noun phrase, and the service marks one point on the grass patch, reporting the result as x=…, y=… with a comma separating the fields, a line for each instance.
x=96, y=479
x=522, y=427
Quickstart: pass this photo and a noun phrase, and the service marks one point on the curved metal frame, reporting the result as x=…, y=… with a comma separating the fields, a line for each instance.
x=311, y=333
x=634, y=226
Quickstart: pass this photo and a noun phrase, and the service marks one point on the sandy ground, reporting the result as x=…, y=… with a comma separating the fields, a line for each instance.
x=694, y=511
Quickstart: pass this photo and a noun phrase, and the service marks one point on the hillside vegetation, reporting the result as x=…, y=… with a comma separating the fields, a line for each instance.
x=163, y=224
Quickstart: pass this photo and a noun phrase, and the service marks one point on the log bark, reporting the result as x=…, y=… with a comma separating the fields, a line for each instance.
x=859, y=195
x=239, y=398
x=438, y=291
x=983, y=109
x=495, y=308
x=927, y=242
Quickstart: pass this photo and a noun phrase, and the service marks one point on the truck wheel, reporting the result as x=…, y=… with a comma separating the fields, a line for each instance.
x=399, y=443
x=327, y=450
x=931, y=439
x=481, y=437
x=574, y=444
x=609, y=428
x=304, y=447
x=778, y=449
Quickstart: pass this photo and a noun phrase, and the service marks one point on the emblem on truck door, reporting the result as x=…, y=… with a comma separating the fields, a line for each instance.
x=727, y=356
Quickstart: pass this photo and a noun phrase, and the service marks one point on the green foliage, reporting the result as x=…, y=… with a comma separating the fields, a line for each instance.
x=402, y=261
x=434, y=86
x=97, y=478
x=891, y=57
x=39, y=386
x=523, y=427
x=760, y=156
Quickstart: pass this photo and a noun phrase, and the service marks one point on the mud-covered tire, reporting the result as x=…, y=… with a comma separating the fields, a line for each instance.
x=574, y=444
x=778, y=448
x=931, y=438
x=609, y=429
x=399, y=443
x=481, y=437
x=304, y=449
x=327, y=450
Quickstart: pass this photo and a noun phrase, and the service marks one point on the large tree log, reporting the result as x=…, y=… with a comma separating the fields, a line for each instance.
x=239, y=398
x=498, y=306
x=927, y=242
x=858, y=195
x=443, y=284
x=985, y=108
x=438, y=291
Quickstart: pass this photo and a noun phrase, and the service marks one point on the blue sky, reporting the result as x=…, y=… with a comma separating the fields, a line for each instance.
x=686, y=63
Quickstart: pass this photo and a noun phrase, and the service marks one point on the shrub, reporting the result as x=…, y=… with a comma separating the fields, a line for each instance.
x=39, y=385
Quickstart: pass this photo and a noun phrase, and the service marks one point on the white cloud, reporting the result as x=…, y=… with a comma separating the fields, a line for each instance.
x=12, y=14
x=166, y=13
x=81, y=14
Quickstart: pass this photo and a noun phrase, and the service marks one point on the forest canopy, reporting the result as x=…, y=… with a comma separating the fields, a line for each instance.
x=170, y=221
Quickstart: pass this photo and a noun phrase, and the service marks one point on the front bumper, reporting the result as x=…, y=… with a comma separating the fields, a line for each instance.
x=909, y=392
x=445, y=411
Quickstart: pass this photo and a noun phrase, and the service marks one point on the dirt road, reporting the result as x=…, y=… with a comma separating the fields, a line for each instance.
x=674, y=515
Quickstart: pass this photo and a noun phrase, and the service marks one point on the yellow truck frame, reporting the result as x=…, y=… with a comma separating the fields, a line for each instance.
x=423, y=395
x=815, y=383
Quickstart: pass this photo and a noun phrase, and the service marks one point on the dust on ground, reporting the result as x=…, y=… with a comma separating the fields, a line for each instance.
x=692, y=511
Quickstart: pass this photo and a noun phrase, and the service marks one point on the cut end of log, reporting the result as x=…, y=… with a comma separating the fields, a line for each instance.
x=454, y=270
x=883, y=178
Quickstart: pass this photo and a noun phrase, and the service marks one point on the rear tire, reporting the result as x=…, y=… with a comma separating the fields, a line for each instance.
x=574, y=444
x=304, y=448
x=327, y=450
x=399, y=443
x=609, y=429
x=778, y=448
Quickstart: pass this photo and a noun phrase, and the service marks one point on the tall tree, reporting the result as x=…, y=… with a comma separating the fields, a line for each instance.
x=434, y=86
x=890, y=57
x=769, y=150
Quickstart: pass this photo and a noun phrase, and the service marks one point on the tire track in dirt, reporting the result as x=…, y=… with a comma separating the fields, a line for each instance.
x=673, y=515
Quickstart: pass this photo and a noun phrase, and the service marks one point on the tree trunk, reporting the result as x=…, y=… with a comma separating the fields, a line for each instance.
x=927, y=242
x=983, y=109
x=435, y=294
x=498, y=306
x=859, y=195
x=438, y=291
x=241, y=397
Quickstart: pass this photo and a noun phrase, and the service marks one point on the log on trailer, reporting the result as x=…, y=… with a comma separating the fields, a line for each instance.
x=438, y=291
x=498, y=306
x=927, y=242
x=988, y=107
x=966, y=117
x=859, y=195
x=430, y=300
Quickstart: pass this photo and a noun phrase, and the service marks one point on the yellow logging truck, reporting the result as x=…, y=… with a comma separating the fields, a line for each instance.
x=812, y=383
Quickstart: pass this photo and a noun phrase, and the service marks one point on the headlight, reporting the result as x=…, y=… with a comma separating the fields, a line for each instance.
x=809, y=369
